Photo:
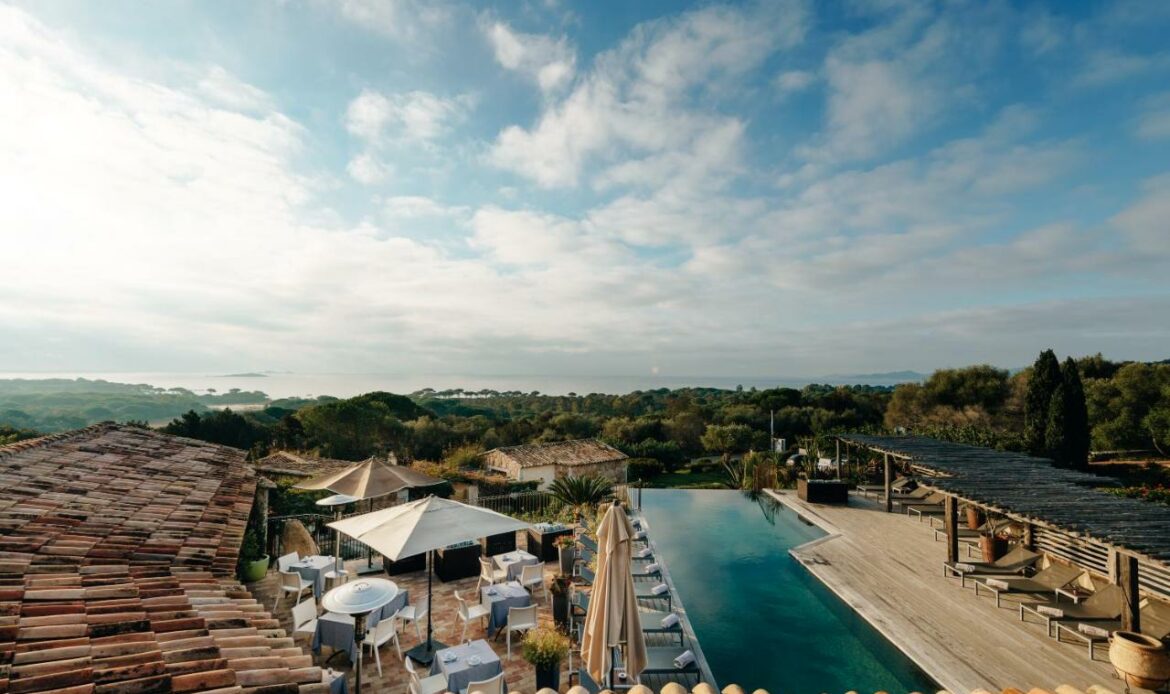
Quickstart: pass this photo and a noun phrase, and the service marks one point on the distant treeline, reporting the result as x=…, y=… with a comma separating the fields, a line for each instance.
x=60, y=404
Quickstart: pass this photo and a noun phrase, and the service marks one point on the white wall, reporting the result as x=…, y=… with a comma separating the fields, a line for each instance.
x=545, y=473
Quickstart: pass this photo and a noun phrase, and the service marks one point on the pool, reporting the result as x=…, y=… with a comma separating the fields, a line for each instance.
x=763, y=621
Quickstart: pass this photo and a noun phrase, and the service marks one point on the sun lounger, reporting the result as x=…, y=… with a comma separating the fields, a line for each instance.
x=644, y=571
x=1015, y=562
x=1046, y=581
x=895, y=487
x=1155, y=623
x=585, y=576
x=933, y=499
x=646, y=591
x=1103, y=605
x=587, y=542
x=652, y=623
x=661, y=661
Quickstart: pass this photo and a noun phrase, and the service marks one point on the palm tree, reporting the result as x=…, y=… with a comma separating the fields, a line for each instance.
x=588, y=490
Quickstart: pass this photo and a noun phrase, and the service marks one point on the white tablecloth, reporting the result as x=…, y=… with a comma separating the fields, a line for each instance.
x=513, y=562
x=313, y=569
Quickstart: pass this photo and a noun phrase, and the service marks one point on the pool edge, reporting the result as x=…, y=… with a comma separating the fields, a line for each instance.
x=680, y=608
x=859, y=605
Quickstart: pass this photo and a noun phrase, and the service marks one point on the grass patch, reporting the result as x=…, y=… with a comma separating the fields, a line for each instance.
x=686, y=478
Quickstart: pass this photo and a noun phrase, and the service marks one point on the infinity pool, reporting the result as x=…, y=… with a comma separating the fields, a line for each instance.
x=762, y=620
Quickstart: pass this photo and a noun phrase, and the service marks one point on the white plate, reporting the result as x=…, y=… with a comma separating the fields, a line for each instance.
x=450, y=657
x=474, y=660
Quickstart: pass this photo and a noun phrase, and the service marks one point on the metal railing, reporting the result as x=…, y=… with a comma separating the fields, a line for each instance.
x=520, y=503
x=324, y=536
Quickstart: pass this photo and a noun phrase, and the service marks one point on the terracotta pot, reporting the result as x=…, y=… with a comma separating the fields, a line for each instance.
x=1141, y=661
x=974, y=518
x=993, y=547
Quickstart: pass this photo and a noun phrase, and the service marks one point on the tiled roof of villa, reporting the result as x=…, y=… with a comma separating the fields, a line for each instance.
x=116, y=549
x=577, y=452
x=299, y=464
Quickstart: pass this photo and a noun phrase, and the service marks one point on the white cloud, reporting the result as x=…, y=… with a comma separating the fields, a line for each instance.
x=1143, y=224
x=1104, y=67
x=227, y=90
x=1153, y=122
x=406, y=207
x=406, y=20
x=793, y=81
x=368, y=169
x=637, y=99
x=416, y=116
x=549, y=62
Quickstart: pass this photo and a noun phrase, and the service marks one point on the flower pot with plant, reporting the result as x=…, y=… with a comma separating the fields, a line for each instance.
x=567, y=548
x=253, y=560
x=559, y=587
x=545, y=647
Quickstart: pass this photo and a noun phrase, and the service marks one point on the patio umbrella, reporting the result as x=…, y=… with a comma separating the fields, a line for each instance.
x=424, y=526
x=336, y=502
x=371, y=479
x=613, y=619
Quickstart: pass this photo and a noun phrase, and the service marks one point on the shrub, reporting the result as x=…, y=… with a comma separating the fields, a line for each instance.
x=644, y=468
x=588, y=490
x=545, y=647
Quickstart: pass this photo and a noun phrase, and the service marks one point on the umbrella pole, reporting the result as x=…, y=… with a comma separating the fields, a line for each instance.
x=425, y=651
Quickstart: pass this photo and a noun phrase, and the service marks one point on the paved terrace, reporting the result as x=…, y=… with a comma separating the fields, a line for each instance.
x=888, y=567
x=518, y=674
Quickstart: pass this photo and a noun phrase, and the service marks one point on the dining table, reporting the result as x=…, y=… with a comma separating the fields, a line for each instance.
x=514, y=562
x=313, y=568
x=338, y=631
x=471, y=662
x=500, y=598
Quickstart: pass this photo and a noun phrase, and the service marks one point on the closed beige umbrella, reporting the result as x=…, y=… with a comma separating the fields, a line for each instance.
x=613, y=619
x=371, y=479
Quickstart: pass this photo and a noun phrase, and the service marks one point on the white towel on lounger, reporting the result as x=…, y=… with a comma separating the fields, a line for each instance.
x=669, y=620
x=961, y=566
x=645, y=552
x=996, y=583
x=659, y=589
x=1050, y=611
x=684, y=659
x=652, y=568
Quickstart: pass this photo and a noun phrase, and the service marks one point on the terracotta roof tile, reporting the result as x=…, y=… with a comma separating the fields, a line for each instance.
x=577, y=452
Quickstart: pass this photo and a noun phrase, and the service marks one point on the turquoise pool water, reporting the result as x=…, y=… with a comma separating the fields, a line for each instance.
x=761, y=618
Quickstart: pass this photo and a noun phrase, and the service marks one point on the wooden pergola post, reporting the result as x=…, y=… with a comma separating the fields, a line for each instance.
x=838, y=458
x=889, y=482
x=951, y=523
x=1029, y=536
x=1127, y=577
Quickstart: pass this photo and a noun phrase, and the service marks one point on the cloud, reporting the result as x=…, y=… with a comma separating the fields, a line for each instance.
x=548, y=62
x=415, y=116
x=1143, y=224
x=793, y=81
x=412, y=21
x=1106, y=66
x=1153, y=123
x=368, y=169
x=638, y=98
x=227, y=90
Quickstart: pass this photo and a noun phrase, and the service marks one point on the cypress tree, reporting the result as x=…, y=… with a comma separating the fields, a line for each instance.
x=1076, y=415
x=1056, y=439
x=1038, y=400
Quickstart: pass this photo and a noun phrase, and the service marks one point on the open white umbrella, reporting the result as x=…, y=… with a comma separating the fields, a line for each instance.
x=613, y=620
x=424, y=526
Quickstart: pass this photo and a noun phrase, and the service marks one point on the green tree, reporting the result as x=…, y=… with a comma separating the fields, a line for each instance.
x=1076, y=416
x=727, y=438
x=1056, y=433
x=1042, y=383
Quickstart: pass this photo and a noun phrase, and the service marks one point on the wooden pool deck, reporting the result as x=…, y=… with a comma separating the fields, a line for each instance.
x=888, y=568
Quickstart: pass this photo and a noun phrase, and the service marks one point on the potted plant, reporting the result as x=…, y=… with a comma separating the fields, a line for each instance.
x=995, y=536
x=253, y=559
x=559, y=587
x=567, y=547
x=545, y=648
x=974, y=517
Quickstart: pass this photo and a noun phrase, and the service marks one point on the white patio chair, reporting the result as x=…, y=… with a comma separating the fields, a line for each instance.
x=386, y=630
x=338, y=574
x=470, y=611
x=304, y=616
x=532, y=575
x=519, y=619
x=415, y=613
x=292, y=582
x=494, y=685
x=489, y=574
x=432, y=684
x=287, y=560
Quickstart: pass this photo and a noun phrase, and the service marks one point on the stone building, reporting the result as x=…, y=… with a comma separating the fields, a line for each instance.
x=546, y=462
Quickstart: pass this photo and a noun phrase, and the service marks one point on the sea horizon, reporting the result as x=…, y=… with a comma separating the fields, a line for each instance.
x=278, y=385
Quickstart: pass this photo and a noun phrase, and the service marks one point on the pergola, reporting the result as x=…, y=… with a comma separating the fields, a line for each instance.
x=1038, y=495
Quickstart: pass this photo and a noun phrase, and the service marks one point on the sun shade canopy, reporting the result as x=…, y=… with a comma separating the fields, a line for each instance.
x=371, y=479
x=420, y=526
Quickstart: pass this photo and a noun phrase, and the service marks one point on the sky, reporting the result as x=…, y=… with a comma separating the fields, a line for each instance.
x=596, y=188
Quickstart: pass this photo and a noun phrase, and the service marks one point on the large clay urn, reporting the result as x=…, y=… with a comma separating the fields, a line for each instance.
x=1141, y=661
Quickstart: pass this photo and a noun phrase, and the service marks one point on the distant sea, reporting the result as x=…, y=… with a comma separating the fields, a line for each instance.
x=283, y=384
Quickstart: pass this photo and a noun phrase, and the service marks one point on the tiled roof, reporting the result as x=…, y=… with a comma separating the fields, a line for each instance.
x=116, y=549
x=113, y=493
x=578, y=452
x=299, y=464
